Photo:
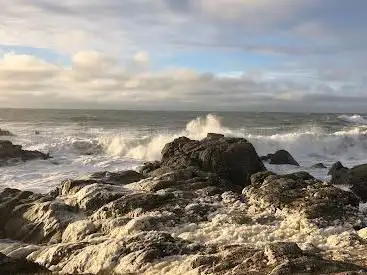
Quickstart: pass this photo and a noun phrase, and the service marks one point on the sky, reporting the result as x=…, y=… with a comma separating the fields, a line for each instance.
x=232, y=55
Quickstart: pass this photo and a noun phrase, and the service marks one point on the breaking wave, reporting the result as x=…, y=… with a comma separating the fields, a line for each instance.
x=356, y=119
x=307, y=143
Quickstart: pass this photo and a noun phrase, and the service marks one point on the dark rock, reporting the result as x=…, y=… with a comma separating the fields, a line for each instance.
x=117, y=178
x=70, y=186
x=339, y=174
x=355, y=177
x=20, y=266
x=280, y=157
x=319, y=166
x=300, y=192
x=335, y=167
x=5, y=133
x=281, y=252
x=290, y=259
x=138, y=250
x=149, y=167
x=11, y=152
x=214, y=136
x=360, y=189
x=314, y=265
x=233, y=159
x=130, y=202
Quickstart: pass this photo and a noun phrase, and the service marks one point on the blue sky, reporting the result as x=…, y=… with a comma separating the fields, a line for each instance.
x=285, y=55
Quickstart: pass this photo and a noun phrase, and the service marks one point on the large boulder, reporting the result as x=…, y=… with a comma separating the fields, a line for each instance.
x=302, y=193
x=280, y=157
x=233, y=159
x=10, y=152
x=355, y=177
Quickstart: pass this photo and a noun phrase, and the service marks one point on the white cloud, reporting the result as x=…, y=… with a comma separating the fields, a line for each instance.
x=104, y=39
x=96, y=80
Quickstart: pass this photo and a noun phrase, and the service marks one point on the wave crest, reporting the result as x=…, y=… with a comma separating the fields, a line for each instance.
x=356, y=119
x=150, y=147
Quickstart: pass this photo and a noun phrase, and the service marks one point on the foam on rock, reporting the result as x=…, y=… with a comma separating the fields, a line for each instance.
x=182, y=217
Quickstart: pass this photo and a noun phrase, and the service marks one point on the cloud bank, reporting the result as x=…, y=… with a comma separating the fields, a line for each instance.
x=285, y=55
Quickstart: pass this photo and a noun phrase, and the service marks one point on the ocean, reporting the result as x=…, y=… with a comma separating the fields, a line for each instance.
x=85, y=141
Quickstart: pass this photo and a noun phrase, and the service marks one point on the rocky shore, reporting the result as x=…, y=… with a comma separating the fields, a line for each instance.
x=207, y=207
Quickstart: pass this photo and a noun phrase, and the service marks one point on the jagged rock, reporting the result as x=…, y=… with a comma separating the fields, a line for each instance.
x=97, y=189
x=119, y=256
x=5, y=133
x=33, y=218
x=135, y=203
x=314, y=265
x=355, y=177
x=281, y=252
x=319, y=166
x=338, y=174
x=16, y=249
x=233, y=159
x=360, y=189
x=280, y=157
x=20, y=266
x=118, y=178
x=300, y=192
x=190, y=178
x=276, y=258
x=183, y=213
x=10, y=152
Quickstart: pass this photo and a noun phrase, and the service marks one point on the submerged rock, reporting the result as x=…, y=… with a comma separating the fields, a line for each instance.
x=10, y=153
x=319, y=166
x=5, y=133
x=280, y=157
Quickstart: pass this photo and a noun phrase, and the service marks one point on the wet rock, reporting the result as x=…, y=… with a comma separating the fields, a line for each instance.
x=314, y=265
x=12, y=153
x=16, y=249
x=5, y=133
x=114, y=256
x=20, y=266
x=360, y=189
x=355, y=177
x=33, y=218
x=117, y=178
x=338, y=174
x=148, y=167
x=78, y=230
x=132, y=202
x=319, y=166
x=71, y=186
x=281, y=252
x=233, y=159
x=189, y=179
x=300, y=192
x=280, y=157
x=91, y=197
x=94, y=191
